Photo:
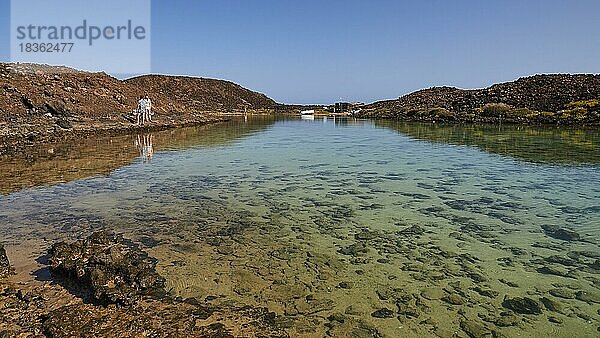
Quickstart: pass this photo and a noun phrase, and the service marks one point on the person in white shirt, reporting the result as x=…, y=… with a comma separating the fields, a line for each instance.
x=148, y=108
x=139, y=112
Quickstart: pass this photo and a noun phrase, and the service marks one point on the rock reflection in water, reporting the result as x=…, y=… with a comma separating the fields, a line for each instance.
x=539, y=144
x=77, y=158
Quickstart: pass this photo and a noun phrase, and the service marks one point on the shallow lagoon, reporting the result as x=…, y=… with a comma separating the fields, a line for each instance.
x=342, y=227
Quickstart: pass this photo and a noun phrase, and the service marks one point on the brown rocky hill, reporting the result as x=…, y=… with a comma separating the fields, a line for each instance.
x=29, y=89
x=539, y=97
x=200, y=94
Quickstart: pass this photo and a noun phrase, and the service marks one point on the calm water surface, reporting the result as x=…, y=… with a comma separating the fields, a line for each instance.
x=335, y=224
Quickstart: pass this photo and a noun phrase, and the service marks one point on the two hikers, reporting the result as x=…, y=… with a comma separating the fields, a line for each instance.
x=143, y=112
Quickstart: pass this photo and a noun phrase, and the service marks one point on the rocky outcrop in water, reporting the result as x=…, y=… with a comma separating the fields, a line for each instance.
x=107, y=268
x=114, y=270
x=5, y=268
x=552, y=99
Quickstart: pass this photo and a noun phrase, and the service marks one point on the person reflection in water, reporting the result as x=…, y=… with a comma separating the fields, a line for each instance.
x=144, y=144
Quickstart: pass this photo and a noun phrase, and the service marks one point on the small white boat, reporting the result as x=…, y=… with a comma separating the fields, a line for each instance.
x=308, y=117
x=308, y=112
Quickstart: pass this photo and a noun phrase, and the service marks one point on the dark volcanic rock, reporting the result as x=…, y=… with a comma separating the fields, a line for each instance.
x=107, y=269
x=157, y=319
x=5, y=268
x=64, y=124
x=414, y=230
x=560, y=233
x=27, y=102
x=526, y=306
x=383, y=313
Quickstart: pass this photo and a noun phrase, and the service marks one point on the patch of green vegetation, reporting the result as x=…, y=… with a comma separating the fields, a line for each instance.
x=504, y=110
x=441, y=113
x=494, y=109
x=547, y=113
x=578, y=113
x=583, y=104
x=537, y=114
x=521, y=112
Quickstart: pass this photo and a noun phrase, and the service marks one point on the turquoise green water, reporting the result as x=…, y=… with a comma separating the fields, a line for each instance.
x=328, y=222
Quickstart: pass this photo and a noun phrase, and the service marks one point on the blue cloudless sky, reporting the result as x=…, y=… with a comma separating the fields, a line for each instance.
x=321, y=51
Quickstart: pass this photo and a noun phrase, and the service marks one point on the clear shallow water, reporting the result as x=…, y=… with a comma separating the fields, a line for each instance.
x=329, y=222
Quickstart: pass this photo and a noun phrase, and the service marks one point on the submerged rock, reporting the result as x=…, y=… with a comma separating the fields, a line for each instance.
x=5, y=268
x=383, y=313
x=407, y=311
x=555, y=320
x=553, y=270
x=385, y=293
x=588, y=297
x=560, y=233
x=432, y=293
x=526, y=306
x=507, y=319
x=551, y=305
x=562, y=293
x=345, y=285
x=454, y=299
x=107, y=268
x=474, y=329
x=356, y=249
x=414, y=230
x=560, y=260
x=486, y=292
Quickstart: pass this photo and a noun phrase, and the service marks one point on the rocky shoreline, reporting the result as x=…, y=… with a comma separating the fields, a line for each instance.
x=559, y=99
x=22, y=133
x=106, y=286
x=40, y=103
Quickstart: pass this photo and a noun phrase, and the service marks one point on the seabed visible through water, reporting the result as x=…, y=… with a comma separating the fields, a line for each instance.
x=342, y=227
